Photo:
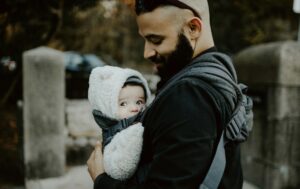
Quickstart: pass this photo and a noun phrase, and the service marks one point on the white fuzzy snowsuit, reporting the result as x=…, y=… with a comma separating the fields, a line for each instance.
x=122, y=154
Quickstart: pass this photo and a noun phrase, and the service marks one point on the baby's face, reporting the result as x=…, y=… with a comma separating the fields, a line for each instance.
x=131, y=101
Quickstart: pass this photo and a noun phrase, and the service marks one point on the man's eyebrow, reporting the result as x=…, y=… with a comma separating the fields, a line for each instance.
x=153, y=36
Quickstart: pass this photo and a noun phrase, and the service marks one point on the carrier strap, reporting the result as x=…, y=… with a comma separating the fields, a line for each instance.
x=217, y=167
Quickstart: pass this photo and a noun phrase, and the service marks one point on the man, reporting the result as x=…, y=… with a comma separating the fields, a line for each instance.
x=182, y=126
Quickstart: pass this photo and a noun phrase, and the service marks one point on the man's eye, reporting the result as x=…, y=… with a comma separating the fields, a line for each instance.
x=156, y=40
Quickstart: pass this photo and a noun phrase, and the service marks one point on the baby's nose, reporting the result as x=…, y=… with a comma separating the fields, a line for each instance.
x=135, y=108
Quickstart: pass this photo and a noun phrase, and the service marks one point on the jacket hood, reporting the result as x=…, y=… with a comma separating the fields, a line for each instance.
x=105, y=84
x=218, y=70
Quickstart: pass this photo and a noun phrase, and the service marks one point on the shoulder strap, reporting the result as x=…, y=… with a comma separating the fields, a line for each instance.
x=217, y=167
x=110, y=127
x=238, y=130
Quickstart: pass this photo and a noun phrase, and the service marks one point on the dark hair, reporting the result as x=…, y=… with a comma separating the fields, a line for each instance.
x=142, y=6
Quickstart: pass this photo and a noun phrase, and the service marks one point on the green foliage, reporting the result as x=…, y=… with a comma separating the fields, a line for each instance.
x=108, y=31
x=241, y=23
x=26, y=24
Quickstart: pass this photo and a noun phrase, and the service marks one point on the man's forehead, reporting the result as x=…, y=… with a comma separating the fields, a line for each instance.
x=162, y=13
x=159, y=20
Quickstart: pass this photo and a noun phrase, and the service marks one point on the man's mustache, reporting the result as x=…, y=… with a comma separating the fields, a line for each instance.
x=157, y=59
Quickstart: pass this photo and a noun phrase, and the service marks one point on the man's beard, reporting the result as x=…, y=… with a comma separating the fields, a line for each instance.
x=176, y=61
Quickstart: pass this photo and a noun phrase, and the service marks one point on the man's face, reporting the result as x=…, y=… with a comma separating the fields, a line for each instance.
x=165, y=45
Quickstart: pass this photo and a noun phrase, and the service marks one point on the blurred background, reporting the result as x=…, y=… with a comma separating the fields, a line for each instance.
x=94, y=33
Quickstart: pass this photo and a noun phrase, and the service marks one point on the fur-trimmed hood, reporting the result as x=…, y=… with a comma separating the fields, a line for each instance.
x=105, y=84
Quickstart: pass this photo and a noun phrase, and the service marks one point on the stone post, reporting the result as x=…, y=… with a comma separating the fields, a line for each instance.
x=44, y=95
x=271, y=157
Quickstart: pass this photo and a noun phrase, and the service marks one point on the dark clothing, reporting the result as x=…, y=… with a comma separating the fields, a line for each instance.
x=182, y=130
x=110, y=127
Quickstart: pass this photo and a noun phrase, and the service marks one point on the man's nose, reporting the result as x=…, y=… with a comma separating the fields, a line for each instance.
x=148, y=51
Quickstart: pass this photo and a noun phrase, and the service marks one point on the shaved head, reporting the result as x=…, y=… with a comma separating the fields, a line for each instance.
x=189, y=16
x=199, y=8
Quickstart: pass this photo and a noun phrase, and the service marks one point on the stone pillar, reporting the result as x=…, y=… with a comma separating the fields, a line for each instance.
x=44, y=121
x=271, y=157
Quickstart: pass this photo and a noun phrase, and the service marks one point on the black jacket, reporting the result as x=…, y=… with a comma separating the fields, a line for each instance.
x=182, y=130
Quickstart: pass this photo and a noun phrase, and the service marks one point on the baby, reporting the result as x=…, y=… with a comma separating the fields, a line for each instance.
x=118, y=96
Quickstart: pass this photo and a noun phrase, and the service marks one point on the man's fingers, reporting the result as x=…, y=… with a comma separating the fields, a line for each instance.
x=98, y=144
x=91, y=158
x=94, y=163
x=98, y=150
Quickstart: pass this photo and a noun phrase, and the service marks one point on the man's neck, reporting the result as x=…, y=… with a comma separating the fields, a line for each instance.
x=211, y=49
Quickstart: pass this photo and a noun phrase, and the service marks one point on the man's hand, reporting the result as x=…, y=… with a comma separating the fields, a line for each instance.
x=95, y=162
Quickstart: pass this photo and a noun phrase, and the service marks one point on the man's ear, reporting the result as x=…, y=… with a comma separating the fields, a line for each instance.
x=195, y=27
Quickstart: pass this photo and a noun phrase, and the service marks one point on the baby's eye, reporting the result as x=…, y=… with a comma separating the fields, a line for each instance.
x=140, y=102
x=123, y=104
